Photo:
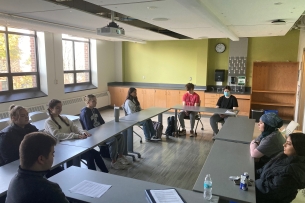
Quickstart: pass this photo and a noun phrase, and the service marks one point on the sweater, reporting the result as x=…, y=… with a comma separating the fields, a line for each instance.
x=66, y=132
x=131, y=107
x=10, y=139
x=31, y=187
x=90, y=118
x=279, y=180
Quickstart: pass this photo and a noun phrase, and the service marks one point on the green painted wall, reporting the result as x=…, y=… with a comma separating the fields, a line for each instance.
x=217, y=60
x=175, y=62
x=171, y=62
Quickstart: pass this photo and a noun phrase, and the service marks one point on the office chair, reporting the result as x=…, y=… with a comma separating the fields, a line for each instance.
x=290, y=128
x=136, y=124
x=3, y=124
x=197, y=118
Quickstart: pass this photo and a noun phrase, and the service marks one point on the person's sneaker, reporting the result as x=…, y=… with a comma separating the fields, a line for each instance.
x=182, y=132
x=155, y=138
x=147, y=140
x=117, y=166
x=123, y=160
x=192, y=134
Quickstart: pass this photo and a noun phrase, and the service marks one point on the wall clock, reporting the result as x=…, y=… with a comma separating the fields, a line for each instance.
x=220, y=47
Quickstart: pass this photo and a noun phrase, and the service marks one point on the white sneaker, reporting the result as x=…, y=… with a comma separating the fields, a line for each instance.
x=123, y=160
x=117, y=166
x=155, y=138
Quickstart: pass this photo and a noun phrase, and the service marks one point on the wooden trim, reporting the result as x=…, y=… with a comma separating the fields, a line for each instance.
x=273, y=104
x=274, y=92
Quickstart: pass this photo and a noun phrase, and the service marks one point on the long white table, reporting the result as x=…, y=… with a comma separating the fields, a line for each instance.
x=63, y=153
x=237, y=129
x=199, y=109
x=123, y=189
x=228, y=159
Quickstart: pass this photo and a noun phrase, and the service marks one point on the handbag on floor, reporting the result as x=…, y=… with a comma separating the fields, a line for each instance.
x=158, y=128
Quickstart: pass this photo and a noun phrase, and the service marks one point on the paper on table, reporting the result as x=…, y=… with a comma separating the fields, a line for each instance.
x=230, y=112
x=168, y=196
x=90, y=189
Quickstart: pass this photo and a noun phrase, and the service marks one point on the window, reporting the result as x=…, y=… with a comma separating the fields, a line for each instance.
x=76, y=60
x=18, y=60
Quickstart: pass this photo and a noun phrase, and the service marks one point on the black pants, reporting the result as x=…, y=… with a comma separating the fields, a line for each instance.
x=93, y=157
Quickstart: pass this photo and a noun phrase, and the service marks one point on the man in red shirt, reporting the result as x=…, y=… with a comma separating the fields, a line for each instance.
x=190, y=98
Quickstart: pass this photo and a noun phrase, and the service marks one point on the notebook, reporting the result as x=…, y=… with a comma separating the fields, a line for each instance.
x=170, y=195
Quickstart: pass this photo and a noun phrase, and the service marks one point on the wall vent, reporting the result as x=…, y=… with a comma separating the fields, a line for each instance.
x=4, y=115
x=36, y=108
x=72, y=101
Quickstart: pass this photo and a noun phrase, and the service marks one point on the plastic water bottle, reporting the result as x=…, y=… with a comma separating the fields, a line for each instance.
x=207, y=187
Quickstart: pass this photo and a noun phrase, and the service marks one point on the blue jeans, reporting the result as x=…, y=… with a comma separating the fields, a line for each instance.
x=148, y=129
x=214, y=122
x=116, y=146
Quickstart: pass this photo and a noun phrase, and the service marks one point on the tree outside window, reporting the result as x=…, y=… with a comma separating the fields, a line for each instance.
x=18, y=60
x=76, y=60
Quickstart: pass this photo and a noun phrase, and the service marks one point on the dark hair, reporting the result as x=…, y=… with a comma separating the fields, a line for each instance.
x=189, y=86
x=51, y=105
x=88, y=97
x=34, y=145
x=298, y=142
x=131, y=98
x=14, y=110
x=228, y=88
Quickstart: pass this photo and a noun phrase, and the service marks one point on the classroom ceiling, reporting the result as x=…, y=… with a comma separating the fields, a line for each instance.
x=150, y=20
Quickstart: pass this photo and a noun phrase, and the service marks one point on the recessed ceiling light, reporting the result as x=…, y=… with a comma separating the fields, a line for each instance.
x=152, y=7
x=160, y=19
x=278, y=3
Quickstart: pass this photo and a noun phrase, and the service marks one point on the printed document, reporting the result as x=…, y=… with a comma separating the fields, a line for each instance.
x=90, y=189
x=165, y=196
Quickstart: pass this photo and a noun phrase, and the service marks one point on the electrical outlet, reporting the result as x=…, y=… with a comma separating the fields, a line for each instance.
x=143, y=77
x=190, y=78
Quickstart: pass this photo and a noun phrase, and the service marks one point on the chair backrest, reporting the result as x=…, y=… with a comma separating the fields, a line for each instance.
x=3, y=124
x=39, y=116
x=290, y=128
x=124, y=109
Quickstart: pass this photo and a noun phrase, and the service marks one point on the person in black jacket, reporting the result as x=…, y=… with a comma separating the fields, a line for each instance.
x=90, y=117
x=12, y=135
x=227, y=101
x=279, y=180
x=29, y=184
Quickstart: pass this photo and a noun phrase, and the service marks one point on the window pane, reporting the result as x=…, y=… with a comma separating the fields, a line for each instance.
x=68, y=78
x=82, y=77
x=81, y=56
x=20, y=30
x=67, y=52
x=3, y=61
x=2, y=28
x=65, y=36
x=22, y=53
x=24, y=82
x=3, y=84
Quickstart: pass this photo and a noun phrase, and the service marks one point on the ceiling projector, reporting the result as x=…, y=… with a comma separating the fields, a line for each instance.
x=112, y=29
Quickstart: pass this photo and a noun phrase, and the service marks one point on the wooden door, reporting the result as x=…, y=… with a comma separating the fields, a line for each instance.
x=301, y=108
x=160, y=98
x=148, y=98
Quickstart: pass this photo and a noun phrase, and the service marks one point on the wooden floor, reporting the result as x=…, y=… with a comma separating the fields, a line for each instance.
x=176, y=162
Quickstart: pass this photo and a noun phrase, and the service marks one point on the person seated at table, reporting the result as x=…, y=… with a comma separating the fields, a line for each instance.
x=36, y=159
x=190, y=98
x=64, y=129
x=279, y=180
x=12, y=135
x=227, y=101
x=132, y=105
x=270, y=142
x=90, y=117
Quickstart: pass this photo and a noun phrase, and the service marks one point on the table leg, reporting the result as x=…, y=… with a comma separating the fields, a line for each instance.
x=176, y=118
x=160, y=118
x=130, y=143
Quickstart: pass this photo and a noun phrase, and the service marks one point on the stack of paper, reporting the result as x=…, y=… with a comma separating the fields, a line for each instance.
x=90, y=189
x=230, y=112
x=164, y=196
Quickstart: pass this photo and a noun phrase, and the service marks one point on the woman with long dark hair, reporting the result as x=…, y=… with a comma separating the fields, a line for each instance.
x=132, y=105
x=279, y=180
x=63, y=129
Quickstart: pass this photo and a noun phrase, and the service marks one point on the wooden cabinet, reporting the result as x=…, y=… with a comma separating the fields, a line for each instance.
x=160, y=98
x=117, y=95
x=243, y=104
x=202, y=97
x=173, y=98
x=211, y=99
x=274, y=87
x=148, y=98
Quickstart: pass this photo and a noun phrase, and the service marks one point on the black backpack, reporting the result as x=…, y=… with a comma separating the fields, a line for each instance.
x=170, y=126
